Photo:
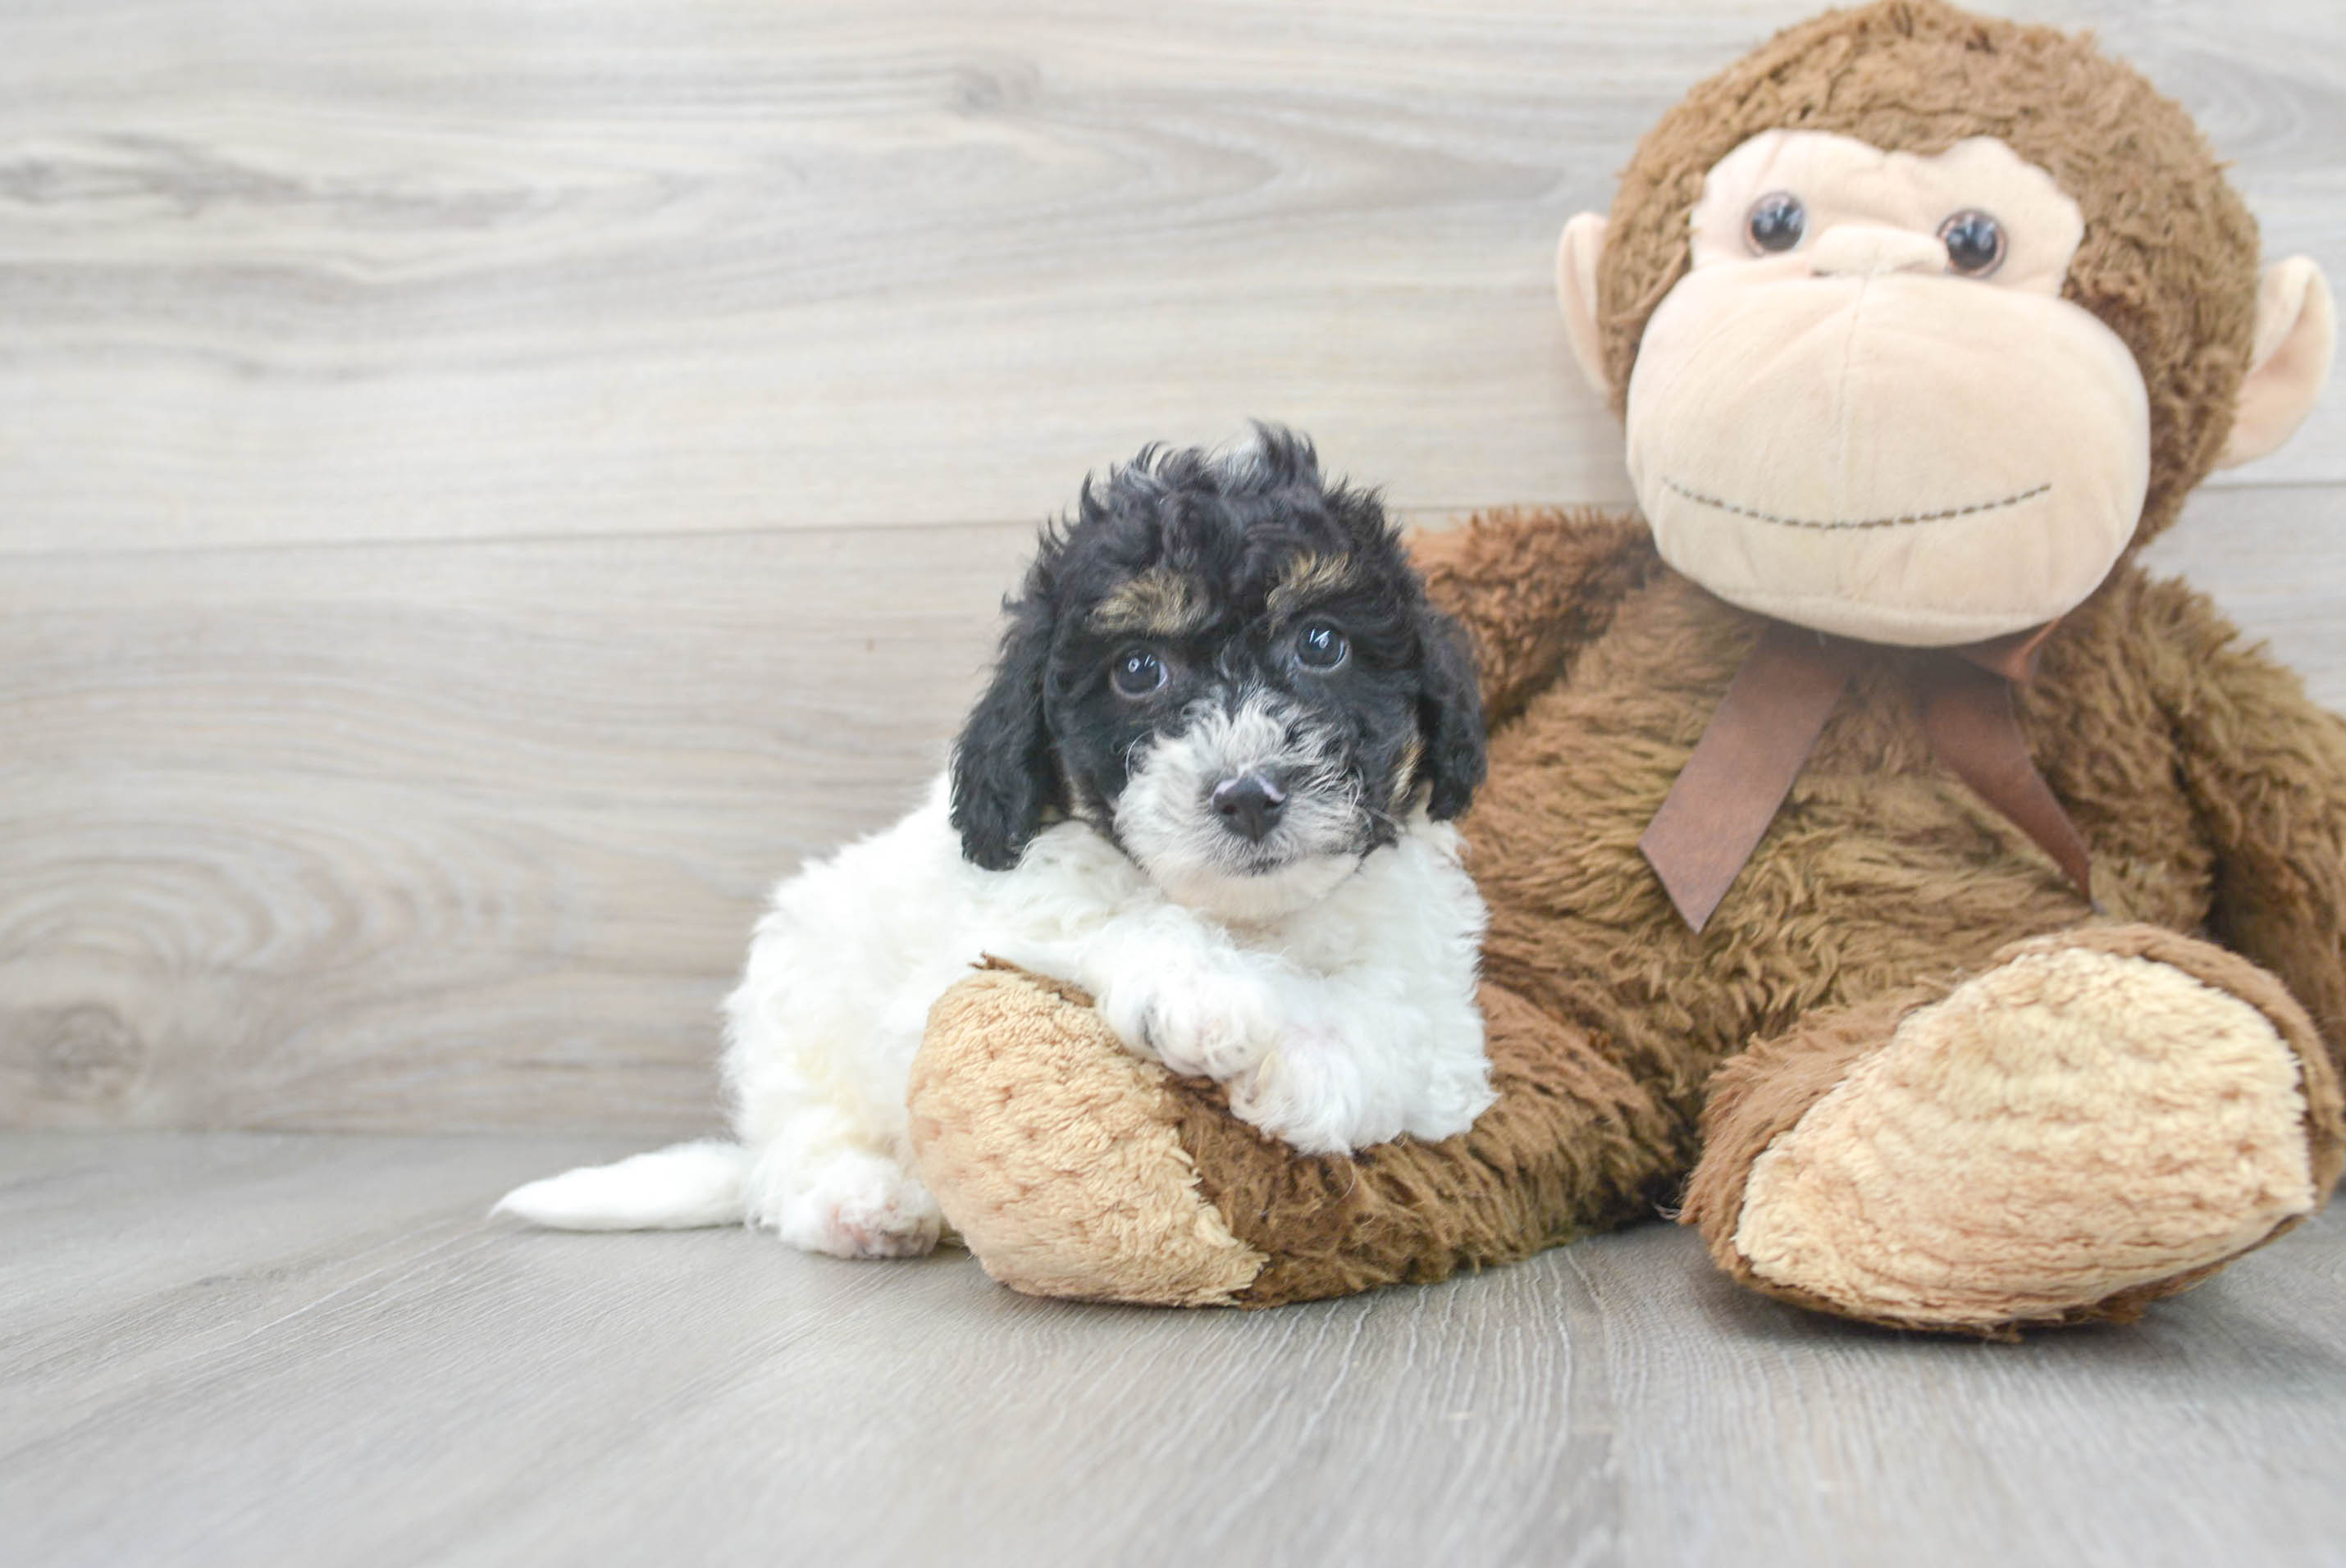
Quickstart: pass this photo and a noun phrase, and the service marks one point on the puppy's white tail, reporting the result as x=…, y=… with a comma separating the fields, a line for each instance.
x=676, y=1188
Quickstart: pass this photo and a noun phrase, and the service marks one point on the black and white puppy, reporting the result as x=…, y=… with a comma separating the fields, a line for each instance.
x=1210, y=784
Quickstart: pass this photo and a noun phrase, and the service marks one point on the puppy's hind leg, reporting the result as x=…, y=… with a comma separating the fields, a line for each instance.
x=819, y=1036
x=842, y=1197
x=819, y=1101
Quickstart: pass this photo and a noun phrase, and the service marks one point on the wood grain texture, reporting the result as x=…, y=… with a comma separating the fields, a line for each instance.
x=278, y=271
x=438, y=837
x=264, y=1349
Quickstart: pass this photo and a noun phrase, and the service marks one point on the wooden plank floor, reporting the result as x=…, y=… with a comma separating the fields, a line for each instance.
x=246, y=1350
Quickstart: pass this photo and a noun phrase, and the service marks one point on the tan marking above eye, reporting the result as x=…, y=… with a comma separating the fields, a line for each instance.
x=1404, y=773
x=1157, y=603
x=1309, y=577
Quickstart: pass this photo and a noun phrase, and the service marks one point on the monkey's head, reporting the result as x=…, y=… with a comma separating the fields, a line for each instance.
x=1920, y=320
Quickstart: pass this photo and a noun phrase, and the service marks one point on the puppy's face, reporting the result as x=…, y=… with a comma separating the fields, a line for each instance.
x=1228, y=667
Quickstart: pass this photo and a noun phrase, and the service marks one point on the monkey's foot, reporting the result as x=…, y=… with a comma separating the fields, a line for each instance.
x=2100, y=1119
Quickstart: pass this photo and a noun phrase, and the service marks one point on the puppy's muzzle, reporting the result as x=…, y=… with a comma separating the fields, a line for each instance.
x=1249, y=805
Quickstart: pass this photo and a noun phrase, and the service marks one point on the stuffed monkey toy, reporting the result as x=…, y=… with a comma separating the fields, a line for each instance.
x=1942, y=914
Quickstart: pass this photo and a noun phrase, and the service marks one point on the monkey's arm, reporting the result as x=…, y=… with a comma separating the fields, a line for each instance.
x=2266, y=770
x=1531, y=586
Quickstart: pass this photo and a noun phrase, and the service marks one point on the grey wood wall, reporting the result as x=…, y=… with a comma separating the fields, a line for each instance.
x=484, y=486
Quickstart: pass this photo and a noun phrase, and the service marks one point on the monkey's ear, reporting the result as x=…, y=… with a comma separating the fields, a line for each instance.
x=1003, y=775
x=1450, y=715
x=1576, y=291
x=2297, y=331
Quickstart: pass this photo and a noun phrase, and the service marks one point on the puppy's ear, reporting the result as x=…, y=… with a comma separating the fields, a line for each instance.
x=1451, y=715
x=1003, y=775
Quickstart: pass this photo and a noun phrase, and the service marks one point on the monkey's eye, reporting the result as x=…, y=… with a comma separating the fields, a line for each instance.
x=1776, y=222
x=1136, y=672
x=1975, y=242
x=1320, y=647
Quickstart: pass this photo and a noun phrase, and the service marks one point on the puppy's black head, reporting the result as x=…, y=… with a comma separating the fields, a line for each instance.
x=1226, y=664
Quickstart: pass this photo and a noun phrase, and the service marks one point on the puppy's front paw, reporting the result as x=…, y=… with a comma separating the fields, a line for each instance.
x=1199, y=1022
x=1307, y=1096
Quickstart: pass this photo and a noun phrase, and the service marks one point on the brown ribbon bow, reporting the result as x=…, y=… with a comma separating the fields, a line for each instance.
x=1756, y=744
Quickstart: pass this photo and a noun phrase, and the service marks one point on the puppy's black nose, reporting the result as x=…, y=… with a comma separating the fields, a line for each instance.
x=1249, y=804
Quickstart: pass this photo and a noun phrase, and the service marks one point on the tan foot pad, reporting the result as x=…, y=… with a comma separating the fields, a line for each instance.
x=1052, y=1151
x=2064, y=1128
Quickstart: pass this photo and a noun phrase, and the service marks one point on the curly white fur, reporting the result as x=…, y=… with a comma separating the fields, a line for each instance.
x=1340, y=1012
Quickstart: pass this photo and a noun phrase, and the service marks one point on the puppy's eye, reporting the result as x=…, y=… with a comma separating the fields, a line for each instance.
x=1320, y=647
x=1974, y=242
x=1136, y=672
x=1776, y=222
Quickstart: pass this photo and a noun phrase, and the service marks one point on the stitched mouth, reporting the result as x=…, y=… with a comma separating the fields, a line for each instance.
x=1899, y=521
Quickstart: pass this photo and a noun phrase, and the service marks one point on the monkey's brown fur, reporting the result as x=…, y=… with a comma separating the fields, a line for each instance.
x=2212, y=794
x=1607, y=1015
